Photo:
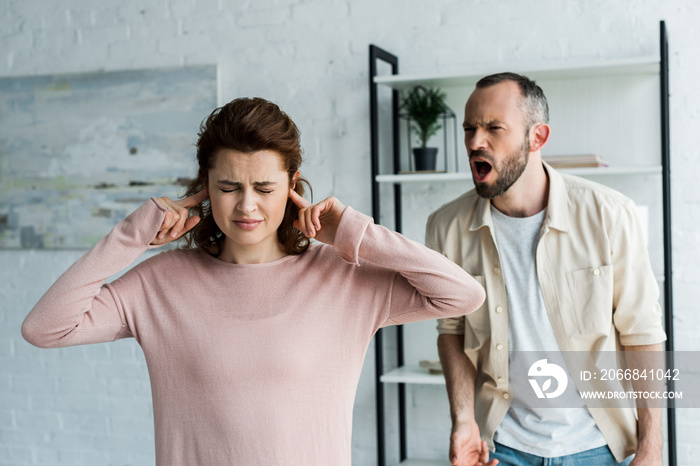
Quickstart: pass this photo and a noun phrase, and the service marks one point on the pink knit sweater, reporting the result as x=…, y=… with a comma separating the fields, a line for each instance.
x=251, y=364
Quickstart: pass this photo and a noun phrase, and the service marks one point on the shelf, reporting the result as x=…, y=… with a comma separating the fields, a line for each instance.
x=641, y=65
x=423, y=177
x=414, y=375
x=605, y=171
x=420, y=462
x=467, y=176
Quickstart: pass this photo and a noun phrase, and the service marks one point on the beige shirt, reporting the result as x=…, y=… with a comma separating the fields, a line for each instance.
x=596, y=281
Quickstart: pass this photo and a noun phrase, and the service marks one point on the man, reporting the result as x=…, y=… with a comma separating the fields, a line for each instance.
x=565, y=268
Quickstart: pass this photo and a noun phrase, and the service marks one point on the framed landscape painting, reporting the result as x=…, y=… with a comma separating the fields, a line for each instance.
x=79, y=152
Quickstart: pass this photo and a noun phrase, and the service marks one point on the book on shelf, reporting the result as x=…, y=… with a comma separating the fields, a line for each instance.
x=575, y=161
x=433, y=366
x=420, y=172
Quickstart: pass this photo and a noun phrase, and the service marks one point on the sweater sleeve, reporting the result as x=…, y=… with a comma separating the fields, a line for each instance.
x=449, y=325
x=78, y=308
x=426, y=284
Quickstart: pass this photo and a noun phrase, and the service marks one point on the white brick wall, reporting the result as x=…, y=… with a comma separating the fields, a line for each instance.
x=91, y=405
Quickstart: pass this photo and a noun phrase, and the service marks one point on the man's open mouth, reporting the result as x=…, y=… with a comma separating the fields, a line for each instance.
x=480, y=169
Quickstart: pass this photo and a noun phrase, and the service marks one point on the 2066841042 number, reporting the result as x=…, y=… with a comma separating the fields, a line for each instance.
x=639, y=374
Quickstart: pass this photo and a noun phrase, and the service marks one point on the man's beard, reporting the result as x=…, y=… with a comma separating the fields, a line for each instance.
x=508, y=172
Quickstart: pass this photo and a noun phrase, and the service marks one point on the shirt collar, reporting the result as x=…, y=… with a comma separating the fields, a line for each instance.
x=482, y=216
x=557, y=211
x=557, y=216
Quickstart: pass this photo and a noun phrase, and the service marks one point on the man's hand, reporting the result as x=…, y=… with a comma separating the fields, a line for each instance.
x=642, y=458
x=177, y=220
x=320, y=220
x=466, y=447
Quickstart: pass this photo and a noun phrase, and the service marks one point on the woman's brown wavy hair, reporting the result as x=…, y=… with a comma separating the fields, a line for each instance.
x=246, y=125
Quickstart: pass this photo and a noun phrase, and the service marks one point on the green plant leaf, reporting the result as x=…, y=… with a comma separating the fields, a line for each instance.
x=424, y=107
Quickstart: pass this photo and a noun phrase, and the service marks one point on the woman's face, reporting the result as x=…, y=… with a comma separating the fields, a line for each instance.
x=248, y=194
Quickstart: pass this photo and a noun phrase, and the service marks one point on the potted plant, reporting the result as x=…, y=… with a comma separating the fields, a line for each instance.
x=424, y=106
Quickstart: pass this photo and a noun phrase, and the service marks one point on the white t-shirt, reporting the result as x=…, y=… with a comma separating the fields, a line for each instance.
x=546, y=432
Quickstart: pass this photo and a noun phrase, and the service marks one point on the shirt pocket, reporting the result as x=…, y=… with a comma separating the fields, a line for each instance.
x=591, y=293
x=477, y=326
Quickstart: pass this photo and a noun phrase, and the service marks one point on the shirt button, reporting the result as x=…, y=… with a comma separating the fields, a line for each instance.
x=501, y=380
x=499, y=309
x=506, y=396
x=499, y=346
x=497, y=270
x=596, y=271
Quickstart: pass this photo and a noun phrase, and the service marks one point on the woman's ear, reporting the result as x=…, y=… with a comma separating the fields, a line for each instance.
x=295, y=177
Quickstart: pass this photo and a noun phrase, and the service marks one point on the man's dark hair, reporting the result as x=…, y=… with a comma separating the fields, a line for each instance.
x=533, y=104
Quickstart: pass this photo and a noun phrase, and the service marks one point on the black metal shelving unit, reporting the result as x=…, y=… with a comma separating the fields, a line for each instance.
x=668, y=251
x=376, y=55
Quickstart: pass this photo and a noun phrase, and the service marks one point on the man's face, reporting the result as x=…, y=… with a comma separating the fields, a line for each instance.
x=495, y=137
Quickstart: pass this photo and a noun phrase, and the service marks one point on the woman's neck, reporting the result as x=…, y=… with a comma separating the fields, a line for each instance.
x=251, y=254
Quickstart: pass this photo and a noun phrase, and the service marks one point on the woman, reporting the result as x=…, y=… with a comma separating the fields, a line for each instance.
x=253, y=337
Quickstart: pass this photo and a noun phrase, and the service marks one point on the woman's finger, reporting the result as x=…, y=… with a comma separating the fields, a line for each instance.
x=177, y=214
x=308, y=223
x=195, y=199
x=171, y=218
x=312, y=220
x=319, y=209
x=190, y=223
x=298, y=200
x=314, y=213
x=300, y=223
x=179, y=225
x=166, y=221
